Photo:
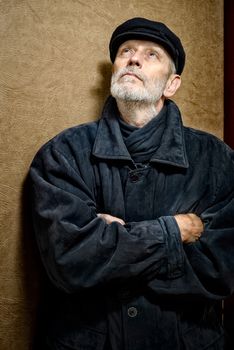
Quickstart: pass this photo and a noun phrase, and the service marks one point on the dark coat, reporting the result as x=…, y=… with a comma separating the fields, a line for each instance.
x=137, y=283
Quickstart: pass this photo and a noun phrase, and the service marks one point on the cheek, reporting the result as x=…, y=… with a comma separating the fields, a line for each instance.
x=159, y=77
x=151, y=73
x=114, y=66
x=156, y=72
x=118, y=64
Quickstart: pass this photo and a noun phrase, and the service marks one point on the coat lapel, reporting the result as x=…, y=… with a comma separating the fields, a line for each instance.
x=109, y=143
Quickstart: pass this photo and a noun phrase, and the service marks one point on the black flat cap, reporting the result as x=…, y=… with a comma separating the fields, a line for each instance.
x=145, y=29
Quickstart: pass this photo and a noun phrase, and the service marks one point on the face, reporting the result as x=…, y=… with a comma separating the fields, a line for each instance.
x=140, y=71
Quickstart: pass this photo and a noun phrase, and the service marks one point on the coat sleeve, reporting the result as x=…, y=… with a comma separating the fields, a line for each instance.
x=78, y=249
x=209, y=262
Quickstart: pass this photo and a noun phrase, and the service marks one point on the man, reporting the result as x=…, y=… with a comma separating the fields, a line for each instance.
x=134, y=213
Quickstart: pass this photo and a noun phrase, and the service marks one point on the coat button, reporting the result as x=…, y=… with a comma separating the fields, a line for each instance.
x=134, y=177
x=132, y=311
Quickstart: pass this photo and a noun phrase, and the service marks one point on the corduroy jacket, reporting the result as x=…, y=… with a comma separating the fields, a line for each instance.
x=137, y=286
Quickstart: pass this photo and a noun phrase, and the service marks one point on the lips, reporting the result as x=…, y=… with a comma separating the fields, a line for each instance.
x=131, y=74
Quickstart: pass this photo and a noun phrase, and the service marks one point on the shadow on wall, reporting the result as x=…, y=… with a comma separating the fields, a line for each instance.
x=102, y=90
x=34, y=278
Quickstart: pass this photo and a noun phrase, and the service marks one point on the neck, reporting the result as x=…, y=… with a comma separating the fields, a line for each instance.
x=138, y=113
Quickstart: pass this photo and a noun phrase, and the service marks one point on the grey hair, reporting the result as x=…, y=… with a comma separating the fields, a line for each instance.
x=172, y=68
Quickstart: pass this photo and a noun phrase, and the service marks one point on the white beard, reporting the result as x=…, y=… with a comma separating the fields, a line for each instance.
x=125, y=89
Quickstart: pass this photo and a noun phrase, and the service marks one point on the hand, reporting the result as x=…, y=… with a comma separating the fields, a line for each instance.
x=191, y=227
x=109, y=218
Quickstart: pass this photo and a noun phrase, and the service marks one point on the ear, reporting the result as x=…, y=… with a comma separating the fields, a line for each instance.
x=172, y=85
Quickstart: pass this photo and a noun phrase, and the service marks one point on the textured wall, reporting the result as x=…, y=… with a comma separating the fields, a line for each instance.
x=55, y=74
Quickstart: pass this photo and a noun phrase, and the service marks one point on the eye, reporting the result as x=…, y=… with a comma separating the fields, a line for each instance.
x=125, y=51
x=152, y=55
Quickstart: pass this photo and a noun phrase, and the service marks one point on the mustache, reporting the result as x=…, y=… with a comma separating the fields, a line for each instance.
x=122, y=71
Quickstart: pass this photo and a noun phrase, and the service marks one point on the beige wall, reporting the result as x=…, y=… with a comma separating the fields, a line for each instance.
x=54, y=74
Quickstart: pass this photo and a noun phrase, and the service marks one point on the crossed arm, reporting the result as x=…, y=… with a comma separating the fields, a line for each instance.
x=190, y=225
x=81, y=251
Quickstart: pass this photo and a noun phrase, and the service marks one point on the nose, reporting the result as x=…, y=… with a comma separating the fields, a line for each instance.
x=135, y=60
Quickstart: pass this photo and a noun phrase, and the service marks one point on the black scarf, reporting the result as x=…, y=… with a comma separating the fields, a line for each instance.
x=143, y=142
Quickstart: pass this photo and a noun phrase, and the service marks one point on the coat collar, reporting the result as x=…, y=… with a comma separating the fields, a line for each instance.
x=109, y=143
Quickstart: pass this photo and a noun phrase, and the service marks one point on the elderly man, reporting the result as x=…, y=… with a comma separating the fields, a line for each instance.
x=134, y=213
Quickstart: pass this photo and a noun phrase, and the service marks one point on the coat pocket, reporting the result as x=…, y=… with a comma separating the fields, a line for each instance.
x=81, y=339
x=203, y=339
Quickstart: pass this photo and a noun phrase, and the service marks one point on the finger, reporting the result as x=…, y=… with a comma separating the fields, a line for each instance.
x=109, y=218
x=120, y=221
